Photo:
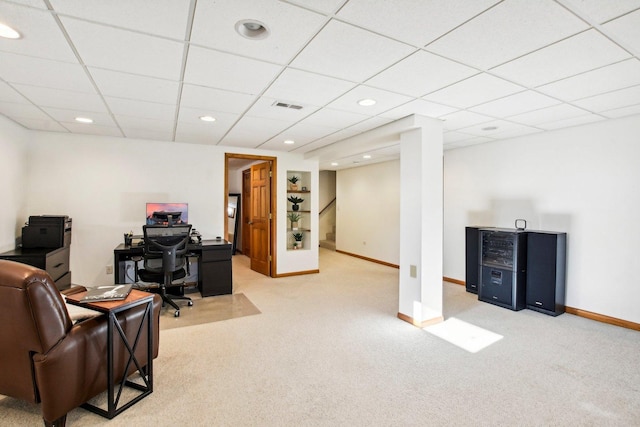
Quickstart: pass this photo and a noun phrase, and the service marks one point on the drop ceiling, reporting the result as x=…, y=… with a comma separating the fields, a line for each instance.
x=151, y=68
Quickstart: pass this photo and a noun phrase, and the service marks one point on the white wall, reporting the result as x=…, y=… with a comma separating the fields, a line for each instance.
x=103, y=183
x=582, y=180
x=13, y=181
x=368, y=211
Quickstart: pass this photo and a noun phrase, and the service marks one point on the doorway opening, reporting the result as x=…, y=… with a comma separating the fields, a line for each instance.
x=254, y=178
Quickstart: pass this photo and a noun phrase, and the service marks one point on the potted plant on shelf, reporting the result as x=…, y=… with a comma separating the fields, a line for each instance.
x=295, y=200
x=297, y=240
x=293, y=180
x=294, y=217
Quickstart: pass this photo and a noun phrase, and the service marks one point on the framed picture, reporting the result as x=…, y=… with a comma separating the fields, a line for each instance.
x=231, y=212
x=304, y=188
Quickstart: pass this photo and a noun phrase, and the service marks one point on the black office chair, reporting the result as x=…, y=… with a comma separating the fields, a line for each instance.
x=165, y=250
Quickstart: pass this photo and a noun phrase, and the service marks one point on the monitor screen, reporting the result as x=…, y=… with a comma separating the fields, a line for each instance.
x=165, y=213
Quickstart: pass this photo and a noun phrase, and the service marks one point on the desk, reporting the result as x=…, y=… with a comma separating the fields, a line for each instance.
x=111, y=309
x=214, y=266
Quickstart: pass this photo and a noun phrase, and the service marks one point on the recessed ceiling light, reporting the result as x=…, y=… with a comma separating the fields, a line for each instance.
x=252, y=29
x=289, y=141
x=366, y=156
x=334, y=164
x=207, y=119
x=84, y=120
x=367, y=102
x=490, y=128
x=8, y=33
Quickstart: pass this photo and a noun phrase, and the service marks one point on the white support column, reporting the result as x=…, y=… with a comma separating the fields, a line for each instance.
x=421, y=223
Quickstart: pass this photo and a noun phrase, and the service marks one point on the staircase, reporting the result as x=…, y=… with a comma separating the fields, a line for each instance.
x=330, y=241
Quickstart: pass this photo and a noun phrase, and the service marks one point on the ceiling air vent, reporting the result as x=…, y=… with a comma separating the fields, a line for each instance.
x=285, y=105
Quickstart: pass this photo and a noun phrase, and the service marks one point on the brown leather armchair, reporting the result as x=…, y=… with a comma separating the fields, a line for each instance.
x=46, y=359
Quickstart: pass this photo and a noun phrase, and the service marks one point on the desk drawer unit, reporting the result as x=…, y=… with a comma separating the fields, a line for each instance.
x=215, y=270
x=54, y=261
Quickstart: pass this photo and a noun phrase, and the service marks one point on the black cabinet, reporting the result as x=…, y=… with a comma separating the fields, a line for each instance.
x=503, y=267
x=54, y=261
x=215, y=268
x=546, y=261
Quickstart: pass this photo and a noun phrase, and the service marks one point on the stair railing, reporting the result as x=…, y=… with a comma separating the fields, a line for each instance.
x=327, y=207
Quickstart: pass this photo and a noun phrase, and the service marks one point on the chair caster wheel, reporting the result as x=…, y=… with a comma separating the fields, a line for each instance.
x=190, y=303
x=177, y=313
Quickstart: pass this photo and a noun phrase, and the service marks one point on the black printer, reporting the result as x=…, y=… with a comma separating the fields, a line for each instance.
x=47, y=231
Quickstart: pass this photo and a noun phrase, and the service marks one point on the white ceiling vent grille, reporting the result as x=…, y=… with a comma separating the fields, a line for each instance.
x=285, y=105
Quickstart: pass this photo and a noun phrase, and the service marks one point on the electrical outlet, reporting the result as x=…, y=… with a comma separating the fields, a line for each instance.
x=109, y=269
x=413, y=271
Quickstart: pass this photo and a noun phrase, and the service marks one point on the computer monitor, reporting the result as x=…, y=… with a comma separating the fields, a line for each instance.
x=167, y=213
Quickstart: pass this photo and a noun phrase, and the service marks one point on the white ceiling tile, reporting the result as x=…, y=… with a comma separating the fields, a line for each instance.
x=123, y=50
x=344, y=51
x=211, y=99
x=68, y=116
x=265, y=108
x=609, y=78
x=192, y=129
x=612, y=100
x=93, y=129
x=544, y=115
x=42, y=72
x=33, y=3
x=406, y=20
x=9, y=94
x=575, y=121
x=192, y=116
x=47, y=124
x=224, y=71
x=622, y=112
x=455, y=136
x=627, y=30
x=529, y=24
x=368, y=124
x=473, y=91
x=166, y=18
x=301, y=134
x=461, y=119
x=324, y=6
x=27, y=111
x=603, y=10
x=253, y=131
x=583, y=52
x=142, y=109
x=144, y=124
x=291, y=27
x=418, y=106
x=385, y=100
x=515, y=132
x=62, y=98
x=41, y=35
x=129, y=86
x=335, y=119
x=302, y=87
x=421, y=73
x=515, y=104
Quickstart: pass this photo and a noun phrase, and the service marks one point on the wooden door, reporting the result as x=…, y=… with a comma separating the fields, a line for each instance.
x=246, y=212
x=260, y=221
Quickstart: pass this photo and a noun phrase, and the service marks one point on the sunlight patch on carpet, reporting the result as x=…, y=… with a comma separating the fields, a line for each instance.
x=464, y=335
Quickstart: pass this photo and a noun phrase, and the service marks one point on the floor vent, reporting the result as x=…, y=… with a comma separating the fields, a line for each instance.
x=285, y=105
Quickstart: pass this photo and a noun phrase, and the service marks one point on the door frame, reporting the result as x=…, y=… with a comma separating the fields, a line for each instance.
x=273, y=186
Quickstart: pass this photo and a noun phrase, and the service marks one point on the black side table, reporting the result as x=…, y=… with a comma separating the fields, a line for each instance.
x=111, y=309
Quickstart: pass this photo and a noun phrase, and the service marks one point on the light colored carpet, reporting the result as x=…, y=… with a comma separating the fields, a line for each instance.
x=205, y=310
x=329, y=350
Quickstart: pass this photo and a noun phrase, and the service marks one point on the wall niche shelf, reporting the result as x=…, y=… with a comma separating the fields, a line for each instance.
x=298, y=187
